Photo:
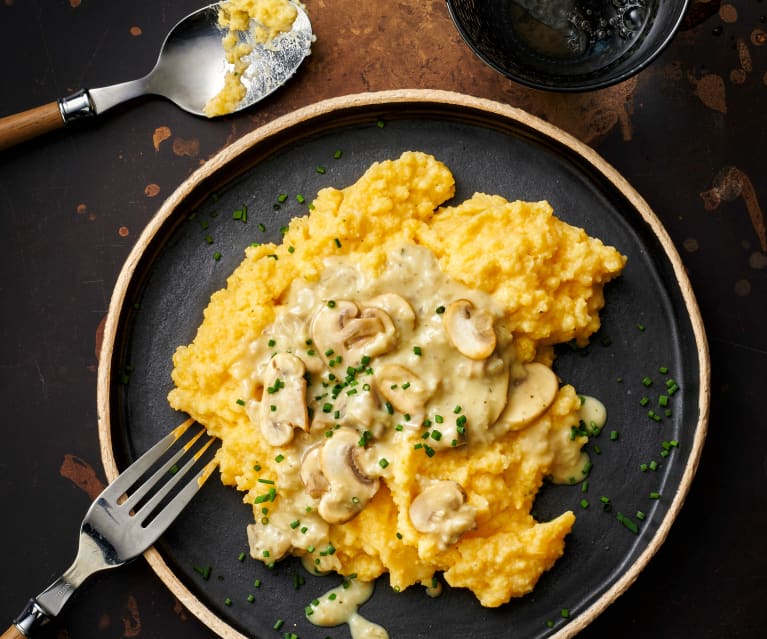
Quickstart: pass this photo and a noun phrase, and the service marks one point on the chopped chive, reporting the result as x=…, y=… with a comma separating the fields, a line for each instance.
x=227, y=602
x=628, y=523
x=241, y=556
x=251, y=598
x=584, y=503
x=417, y=350
x=654, y=495
x=383, y=462
x=203, y=572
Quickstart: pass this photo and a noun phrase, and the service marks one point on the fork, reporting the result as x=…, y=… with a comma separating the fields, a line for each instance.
x=124, y=520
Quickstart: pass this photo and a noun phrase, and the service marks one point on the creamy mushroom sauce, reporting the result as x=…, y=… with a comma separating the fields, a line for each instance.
x=352, y=369
x=340, y=605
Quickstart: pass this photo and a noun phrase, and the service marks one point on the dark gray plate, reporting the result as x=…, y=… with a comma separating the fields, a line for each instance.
x=650, y=321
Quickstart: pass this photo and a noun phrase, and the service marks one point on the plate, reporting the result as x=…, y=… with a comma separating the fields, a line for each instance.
x=651, y=321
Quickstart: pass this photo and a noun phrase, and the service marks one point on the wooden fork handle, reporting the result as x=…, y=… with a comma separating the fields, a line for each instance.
x=12, y=633
x=20, y=127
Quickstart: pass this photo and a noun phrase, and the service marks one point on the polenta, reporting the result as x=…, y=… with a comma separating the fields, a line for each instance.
x=383, y=389
x=270, y=19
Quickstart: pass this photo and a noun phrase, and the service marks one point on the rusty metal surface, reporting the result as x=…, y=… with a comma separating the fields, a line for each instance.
x=688, y=133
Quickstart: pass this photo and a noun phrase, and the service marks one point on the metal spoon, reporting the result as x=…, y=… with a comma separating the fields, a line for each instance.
x=190, y=70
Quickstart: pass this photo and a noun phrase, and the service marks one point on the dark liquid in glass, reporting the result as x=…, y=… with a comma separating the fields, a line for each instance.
x=579, y=31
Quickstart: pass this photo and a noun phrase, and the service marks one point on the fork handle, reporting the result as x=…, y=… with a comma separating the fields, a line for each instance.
x=12, y=633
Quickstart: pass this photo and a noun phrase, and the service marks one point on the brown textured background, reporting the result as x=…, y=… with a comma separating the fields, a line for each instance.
x=689, y=133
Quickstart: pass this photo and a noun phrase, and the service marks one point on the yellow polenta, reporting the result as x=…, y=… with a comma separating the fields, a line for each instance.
x=270, y=19
x=405, y=444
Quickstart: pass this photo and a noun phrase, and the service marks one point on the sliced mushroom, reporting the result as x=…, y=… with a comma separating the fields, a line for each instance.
x=530, y=396
x=350, y=488
x=372, y=333
x=398, y=308
x=441, y=509
x=402, y=388
x=283, y=405
x=342, y=329
x=469, y=329
x=311, y=472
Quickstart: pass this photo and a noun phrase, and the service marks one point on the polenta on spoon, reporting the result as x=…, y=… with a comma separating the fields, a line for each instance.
x=190, y=71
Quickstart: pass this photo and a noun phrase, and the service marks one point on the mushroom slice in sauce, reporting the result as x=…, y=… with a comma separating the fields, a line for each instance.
x=441, y=509
x=342, y=329
x=398, y=308
x=530, y=396
x=311, y=472
x=350, y=488
x=283, y=405
x=403, y=389
x=469, y=329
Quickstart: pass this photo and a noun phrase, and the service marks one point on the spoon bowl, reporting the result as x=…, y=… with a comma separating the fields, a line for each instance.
x=190, y=70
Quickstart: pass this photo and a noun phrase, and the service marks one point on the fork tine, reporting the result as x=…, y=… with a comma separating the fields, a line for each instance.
x=160, y=473
x=168, y=484
x=171, y=510
x=131, y=474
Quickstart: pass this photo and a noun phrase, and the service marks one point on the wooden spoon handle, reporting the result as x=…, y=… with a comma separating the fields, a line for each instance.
x=26, y=125
x=12, y=633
